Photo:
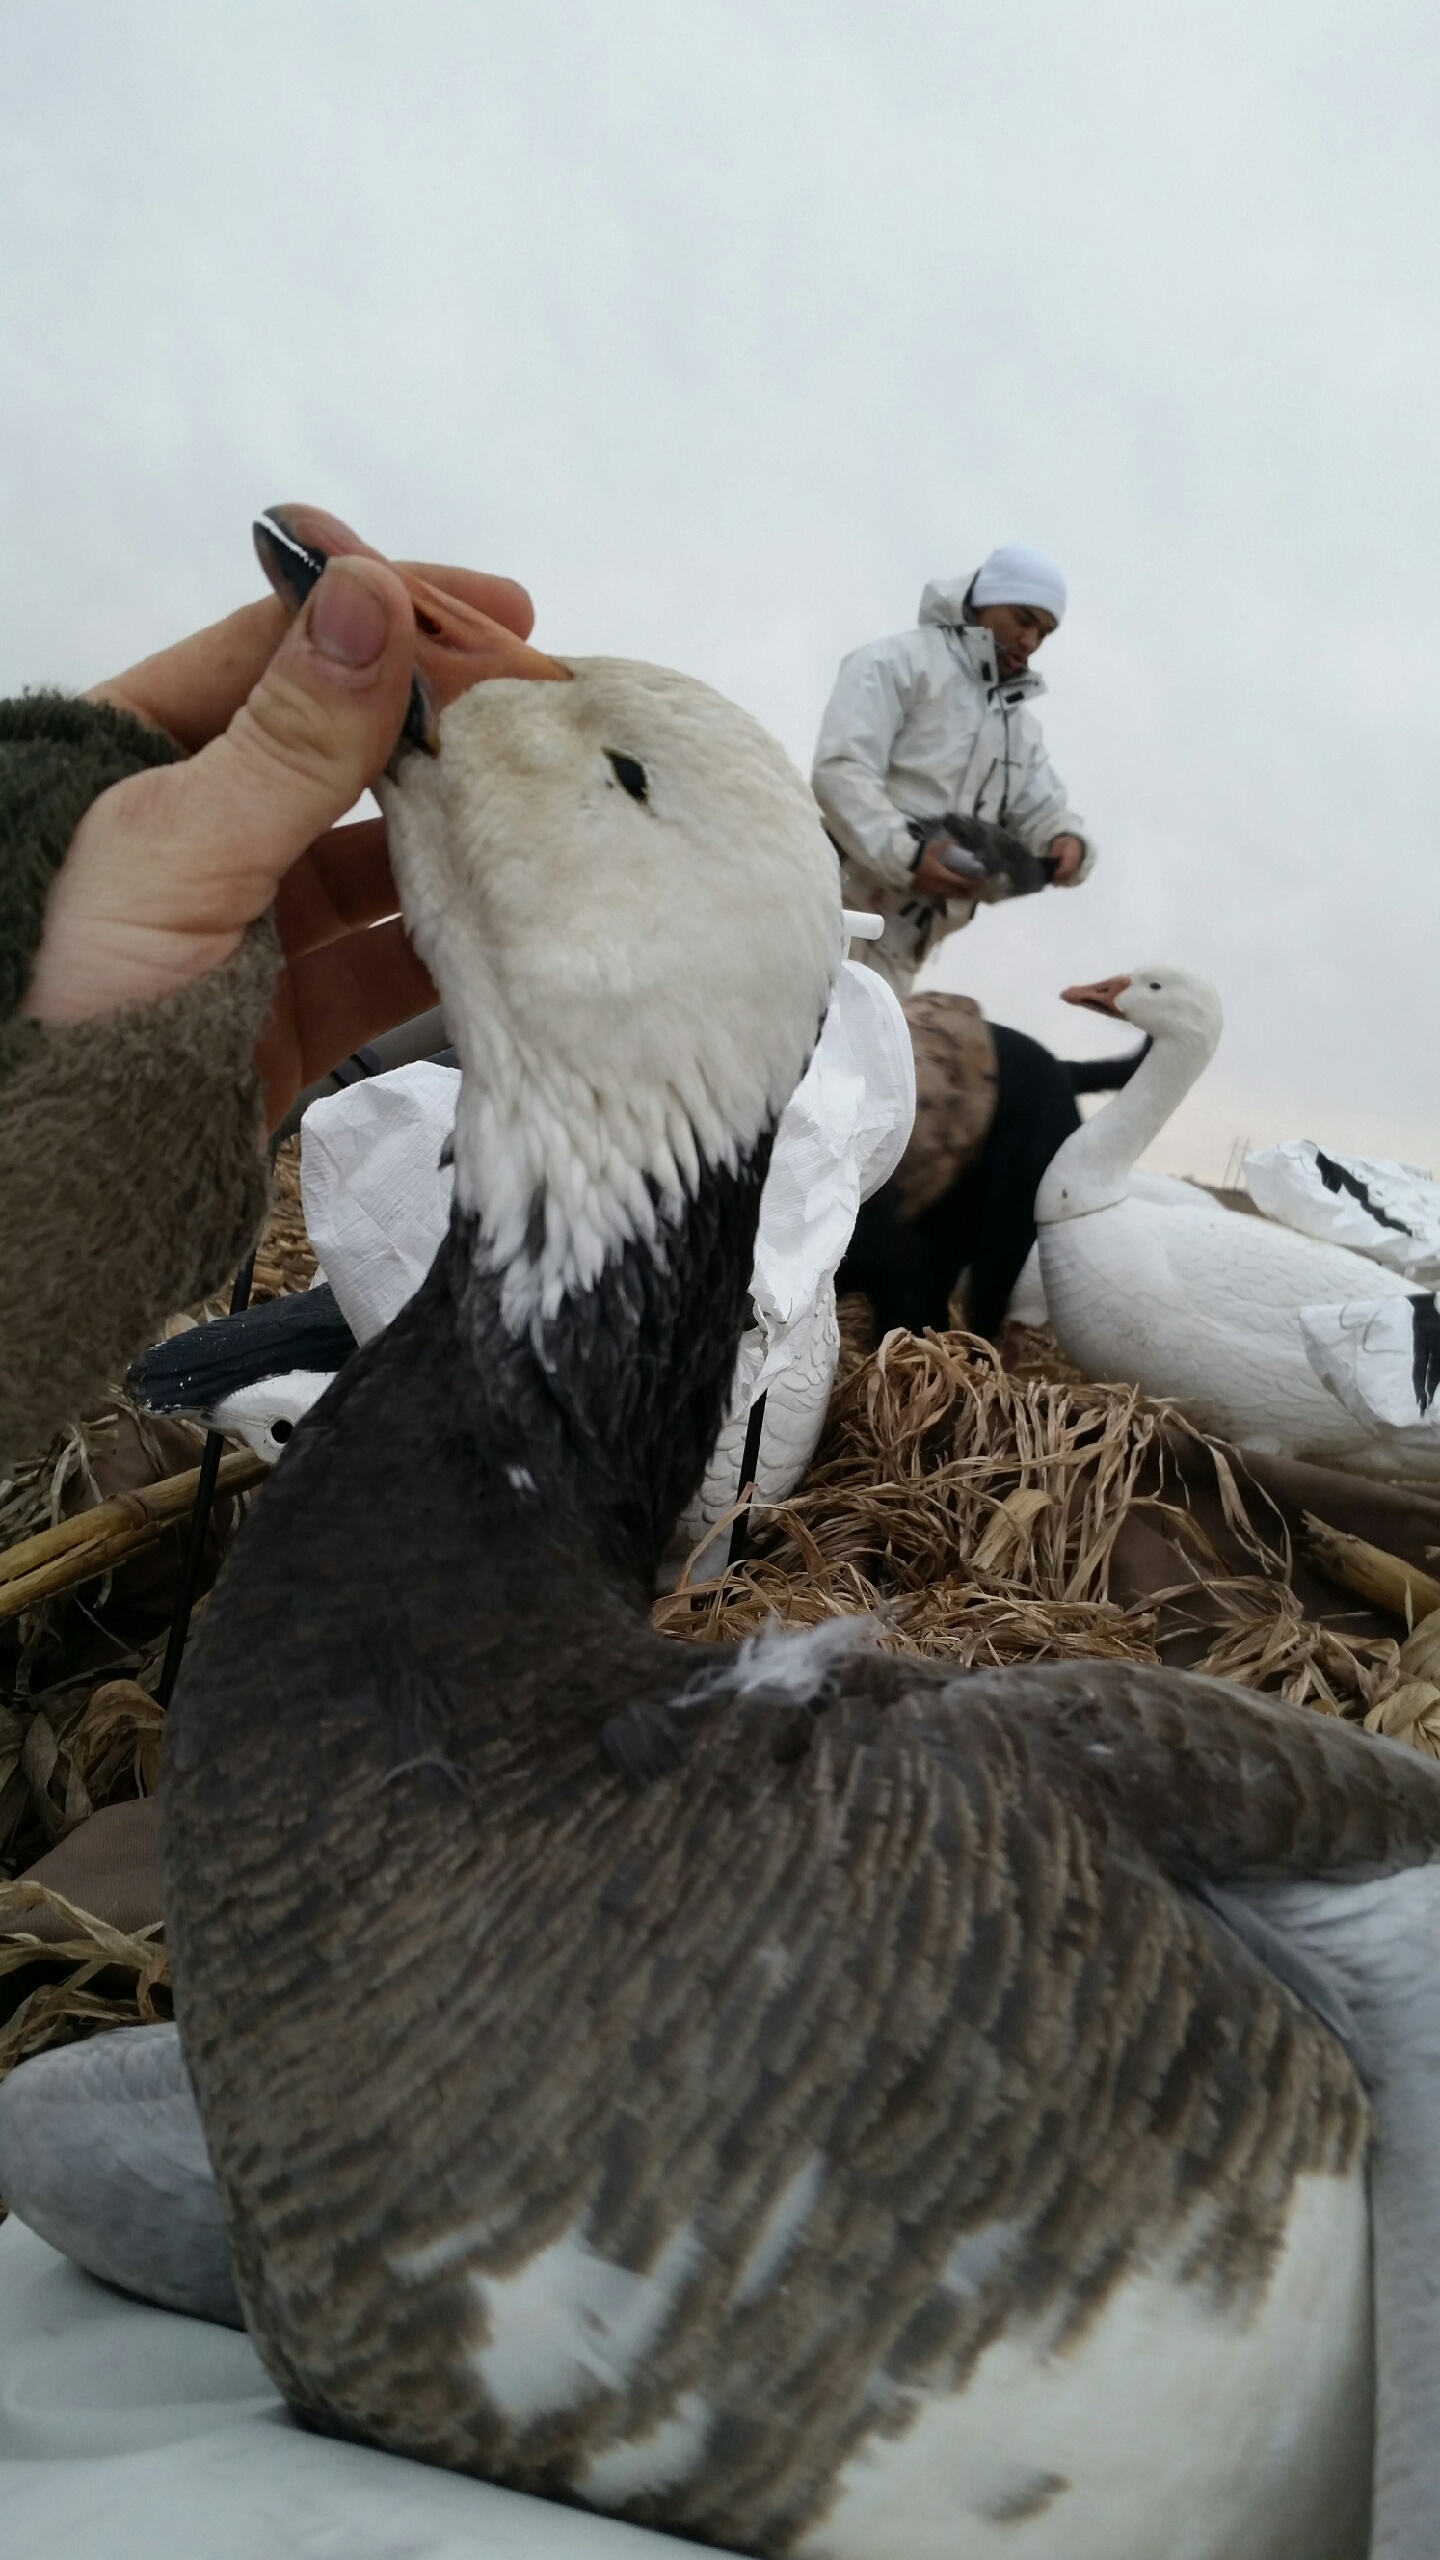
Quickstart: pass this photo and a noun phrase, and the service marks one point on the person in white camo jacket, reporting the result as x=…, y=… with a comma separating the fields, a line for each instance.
x=938, y=719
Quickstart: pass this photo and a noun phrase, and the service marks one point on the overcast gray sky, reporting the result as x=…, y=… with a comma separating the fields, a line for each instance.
x=726, y=323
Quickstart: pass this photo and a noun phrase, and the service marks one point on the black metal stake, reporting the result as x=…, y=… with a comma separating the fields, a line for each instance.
x=194, y=1555
x=740, y=1527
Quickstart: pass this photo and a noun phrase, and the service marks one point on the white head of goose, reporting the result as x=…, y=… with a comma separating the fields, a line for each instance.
x=798, y=2097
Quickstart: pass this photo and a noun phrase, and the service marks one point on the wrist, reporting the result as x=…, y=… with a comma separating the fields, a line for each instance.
x=115, y=933
x=57, y=756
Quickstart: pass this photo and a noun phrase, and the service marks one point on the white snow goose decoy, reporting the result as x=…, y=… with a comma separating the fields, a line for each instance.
x=1225, y=1316
x=795, y=2095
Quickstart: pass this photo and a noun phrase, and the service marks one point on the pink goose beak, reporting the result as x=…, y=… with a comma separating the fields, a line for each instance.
x=456, y=645
x=1102, y=996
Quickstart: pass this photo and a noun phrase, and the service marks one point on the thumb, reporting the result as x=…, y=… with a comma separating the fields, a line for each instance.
x=320, y=725
x=167, y=868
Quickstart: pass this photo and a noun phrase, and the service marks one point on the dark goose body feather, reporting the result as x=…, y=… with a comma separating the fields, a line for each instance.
x=454, y=1992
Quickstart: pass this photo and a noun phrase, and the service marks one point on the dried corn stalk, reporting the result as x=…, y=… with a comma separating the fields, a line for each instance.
x=32, y=1495
x=112, y=1978
x=86, y=1742
x=1411, y=1713
x=974, y=1512
x=285, y=1258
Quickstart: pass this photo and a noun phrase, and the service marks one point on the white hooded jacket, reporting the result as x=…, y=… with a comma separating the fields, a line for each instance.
x=916, y=725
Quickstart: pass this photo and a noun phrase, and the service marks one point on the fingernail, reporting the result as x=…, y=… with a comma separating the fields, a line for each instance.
x=294, y=568
x=348, y=622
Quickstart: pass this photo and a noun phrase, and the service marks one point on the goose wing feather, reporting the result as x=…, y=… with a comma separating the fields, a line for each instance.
x=848, y=1974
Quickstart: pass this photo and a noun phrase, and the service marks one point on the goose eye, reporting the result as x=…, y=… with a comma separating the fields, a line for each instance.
x=1154, y=986
x=631, y=776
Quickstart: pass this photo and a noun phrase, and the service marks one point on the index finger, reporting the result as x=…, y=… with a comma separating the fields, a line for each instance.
x=194, y=689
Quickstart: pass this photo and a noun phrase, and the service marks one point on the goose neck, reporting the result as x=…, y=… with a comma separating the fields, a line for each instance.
x=617, y=1396
x=1092, y=1170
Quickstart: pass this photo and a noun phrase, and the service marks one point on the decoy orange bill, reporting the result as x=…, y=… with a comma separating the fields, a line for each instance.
x=1100, y=996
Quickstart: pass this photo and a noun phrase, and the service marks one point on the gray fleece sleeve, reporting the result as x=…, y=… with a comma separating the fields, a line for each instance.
x=132, y=1164
x=134, y=1180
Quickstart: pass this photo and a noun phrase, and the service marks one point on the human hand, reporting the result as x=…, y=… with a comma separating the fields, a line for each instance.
x=284, y=725
x=1069, y=853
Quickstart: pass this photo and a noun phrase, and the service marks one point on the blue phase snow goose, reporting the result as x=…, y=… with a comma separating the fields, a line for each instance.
x=793, y=2095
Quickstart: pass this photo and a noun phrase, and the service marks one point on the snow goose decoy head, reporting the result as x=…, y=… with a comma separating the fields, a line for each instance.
x=1181, y=1015
x=255, y=1373
x=1160, y=1000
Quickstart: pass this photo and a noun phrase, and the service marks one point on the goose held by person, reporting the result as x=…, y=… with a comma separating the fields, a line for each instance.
x=795, y=2095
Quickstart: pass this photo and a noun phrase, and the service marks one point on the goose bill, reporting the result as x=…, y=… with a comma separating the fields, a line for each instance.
x=1101, y=996
x=456, y=646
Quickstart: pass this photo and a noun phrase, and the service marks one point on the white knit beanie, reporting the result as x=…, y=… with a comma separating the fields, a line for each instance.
x=1015, y=574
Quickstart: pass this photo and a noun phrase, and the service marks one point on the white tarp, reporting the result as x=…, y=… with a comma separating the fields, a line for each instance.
x=1380, y=1357
x=132, y=2434
x=375, y=1193
x=1389, y=1211
x=841, y=1134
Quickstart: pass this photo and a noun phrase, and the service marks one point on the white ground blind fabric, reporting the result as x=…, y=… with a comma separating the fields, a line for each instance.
x=131, y=2434
x=375, y=1193
x=1389, y=1211
x=841, y=1135
x=1379, y=1356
